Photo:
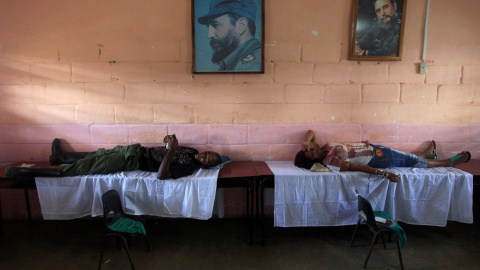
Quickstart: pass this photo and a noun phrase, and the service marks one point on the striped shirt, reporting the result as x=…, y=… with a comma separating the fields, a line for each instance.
x=360, y=153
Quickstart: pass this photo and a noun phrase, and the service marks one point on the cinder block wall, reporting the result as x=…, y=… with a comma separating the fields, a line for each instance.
x=97, y=74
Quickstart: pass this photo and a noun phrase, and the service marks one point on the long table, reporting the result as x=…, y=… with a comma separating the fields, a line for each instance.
x=235, y=174
x=266, y=179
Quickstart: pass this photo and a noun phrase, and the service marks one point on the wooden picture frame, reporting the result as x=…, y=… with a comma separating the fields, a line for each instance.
x=377, y=30
x=228, y=36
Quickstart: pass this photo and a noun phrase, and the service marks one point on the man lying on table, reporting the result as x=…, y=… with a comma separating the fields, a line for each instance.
x=366, y=157
x=170, y=161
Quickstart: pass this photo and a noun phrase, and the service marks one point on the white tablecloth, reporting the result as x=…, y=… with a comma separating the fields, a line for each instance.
x=141, y=194
x=422, y=196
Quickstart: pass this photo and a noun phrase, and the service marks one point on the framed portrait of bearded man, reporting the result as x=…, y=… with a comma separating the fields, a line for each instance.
x=228, y=36
x=377, y=30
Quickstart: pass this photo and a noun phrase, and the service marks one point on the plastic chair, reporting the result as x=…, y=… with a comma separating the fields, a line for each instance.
x=111, y=202
x=378, y=229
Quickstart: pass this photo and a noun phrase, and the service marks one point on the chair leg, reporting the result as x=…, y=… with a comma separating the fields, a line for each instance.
x=146, y=242
x=125, y=244
x=399, y=253
x=129, y=241
x=370, y=252
x=354, y=233
x=383, y=241
x=128, y=251
x=100, y=262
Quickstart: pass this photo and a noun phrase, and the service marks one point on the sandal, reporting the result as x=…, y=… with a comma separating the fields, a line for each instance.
x=469, y=156
x=434, y=154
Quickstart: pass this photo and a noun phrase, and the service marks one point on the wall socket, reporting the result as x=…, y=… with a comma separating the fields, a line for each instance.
x=423, y=68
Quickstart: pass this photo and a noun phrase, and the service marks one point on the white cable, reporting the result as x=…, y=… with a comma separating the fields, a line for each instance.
x=426, y=31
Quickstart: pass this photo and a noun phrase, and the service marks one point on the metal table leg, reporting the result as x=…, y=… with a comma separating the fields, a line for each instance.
x=29, y=212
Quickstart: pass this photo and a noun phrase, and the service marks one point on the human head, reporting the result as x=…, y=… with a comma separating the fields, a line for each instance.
x=386, y=11
x=208, y=159
x=302, y=161
x=230, y=23
x=306, y=158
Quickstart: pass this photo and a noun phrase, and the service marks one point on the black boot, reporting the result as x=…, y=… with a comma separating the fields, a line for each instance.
x=56, y=152
x=60, y=157
x=32, y=172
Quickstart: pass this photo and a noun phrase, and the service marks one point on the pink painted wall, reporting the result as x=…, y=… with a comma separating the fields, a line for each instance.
x=117, y=72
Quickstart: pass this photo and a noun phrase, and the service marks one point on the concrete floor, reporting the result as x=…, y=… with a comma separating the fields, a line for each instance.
x=223, y=244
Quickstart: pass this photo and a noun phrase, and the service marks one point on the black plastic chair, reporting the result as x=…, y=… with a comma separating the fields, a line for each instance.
x=366, y=214
x=111, y=203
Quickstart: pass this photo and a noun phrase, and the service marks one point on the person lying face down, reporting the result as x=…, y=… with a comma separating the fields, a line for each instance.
x=368, y=158
x=170, y=162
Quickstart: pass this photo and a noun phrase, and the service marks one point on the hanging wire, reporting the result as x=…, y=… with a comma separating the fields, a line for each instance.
x=373, y=178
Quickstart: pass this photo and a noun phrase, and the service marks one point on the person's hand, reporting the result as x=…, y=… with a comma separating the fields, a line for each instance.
x=392, y=177
x=358, y=50
x=306, y=146
x=165, y=139
x=171, y=142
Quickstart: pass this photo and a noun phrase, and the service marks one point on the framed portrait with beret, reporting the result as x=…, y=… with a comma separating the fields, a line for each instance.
x=228, y=36
x=377, y=30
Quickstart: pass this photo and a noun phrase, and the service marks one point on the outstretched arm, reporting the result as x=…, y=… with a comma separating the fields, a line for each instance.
x=351, y=166
x=310, y=141
x=164, y=169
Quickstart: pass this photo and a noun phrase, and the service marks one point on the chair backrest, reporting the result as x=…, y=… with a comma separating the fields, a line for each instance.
x=111, y=202
x=365, y=207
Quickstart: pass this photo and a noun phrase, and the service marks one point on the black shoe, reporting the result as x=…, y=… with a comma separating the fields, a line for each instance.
x=57, y=152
